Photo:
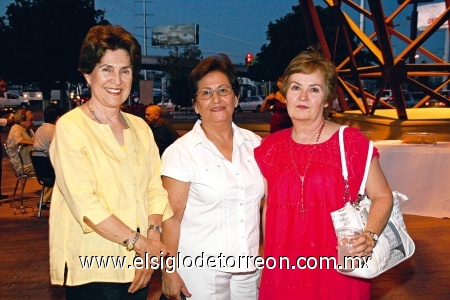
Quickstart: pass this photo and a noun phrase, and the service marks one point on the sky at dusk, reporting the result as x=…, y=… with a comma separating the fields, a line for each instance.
x=234, y=27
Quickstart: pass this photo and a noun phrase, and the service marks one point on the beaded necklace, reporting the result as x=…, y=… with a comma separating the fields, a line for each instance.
x=100, y=121
x=302, y=178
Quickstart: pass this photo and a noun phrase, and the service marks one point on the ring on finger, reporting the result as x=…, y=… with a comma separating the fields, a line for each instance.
x=365, y=253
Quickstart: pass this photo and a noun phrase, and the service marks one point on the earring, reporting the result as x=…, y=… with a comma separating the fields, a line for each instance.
x=88, y=85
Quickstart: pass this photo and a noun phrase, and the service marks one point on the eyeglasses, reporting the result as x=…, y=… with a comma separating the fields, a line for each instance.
x=206, y=94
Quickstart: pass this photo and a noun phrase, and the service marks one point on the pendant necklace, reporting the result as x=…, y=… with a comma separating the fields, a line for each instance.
x=302, y=178
x=100, y=121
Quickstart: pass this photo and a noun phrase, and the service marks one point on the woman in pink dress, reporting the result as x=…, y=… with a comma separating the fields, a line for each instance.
x=302, y=168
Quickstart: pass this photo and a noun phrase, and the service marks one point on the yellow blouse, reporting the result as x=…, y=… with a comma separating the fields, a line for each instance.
x=96, y=178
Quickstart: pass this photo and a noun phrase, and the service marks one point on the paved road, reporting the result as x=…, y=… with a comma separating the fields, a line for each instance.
x=24, y=272
x=24, y=249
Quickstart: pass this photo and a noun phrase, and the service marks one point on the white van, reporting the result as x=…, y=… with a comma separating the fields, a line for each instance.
x=32, y=92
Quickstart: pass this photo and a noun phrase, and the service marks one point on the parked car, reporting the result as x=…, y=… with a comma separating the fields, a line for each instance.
x=12, y=100
x=386, y=94
x=80, y=97
x=445, y=93
x=434, y=103
x=187, y=108
x=168, y=104
x=410, y=99
x=370, y=100
x=252, y=103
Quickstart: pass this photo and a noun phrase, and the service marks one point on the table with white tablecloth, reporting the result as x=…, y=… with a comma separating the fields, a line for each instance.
x=422, y=172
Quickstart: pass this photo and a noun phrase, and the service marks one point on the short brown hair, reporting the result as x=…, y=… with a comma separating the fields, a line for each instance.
x=220, y=63
x=107, y=37
x=308, y=62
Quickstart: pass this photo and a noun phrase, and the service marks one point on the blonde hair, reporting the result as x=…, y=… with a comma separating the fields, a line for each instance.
x=308, y=62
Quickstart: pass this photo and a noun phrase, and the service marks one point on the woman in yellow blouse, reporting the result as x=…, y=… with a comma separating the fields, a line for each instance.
x=108, y=202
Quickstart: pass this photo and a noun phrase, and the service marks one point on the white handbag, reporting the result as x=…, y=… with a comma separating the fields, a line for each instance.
x=394, y=244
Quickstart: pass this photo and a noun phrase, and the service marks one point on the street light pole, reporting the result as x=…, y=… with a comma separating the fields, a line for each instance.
x=362, y=25
x=446, y=52
x=413, y=28
x=413, y=32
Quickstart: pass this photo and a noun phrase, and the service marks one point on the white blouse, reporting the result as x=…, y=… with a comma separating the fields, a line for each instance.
x=222, y=214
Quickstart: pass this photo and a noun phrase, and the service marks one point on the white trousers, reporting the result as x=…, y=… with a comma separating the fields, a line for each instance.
x=216, y=285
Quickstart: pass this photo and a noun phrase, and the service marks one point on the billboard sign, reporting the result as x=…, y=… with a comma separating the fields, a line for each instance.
x=428, y=13
x=173, y=35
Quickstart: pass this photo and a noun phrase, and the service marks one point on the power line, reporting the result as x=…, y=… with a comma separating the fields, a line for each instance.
x=122, y=5
x=166, y=21
x=229, y=37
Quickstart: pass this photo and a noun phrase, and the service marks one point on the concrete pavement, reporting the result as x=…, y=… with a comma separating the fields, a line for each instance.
x=24, y=272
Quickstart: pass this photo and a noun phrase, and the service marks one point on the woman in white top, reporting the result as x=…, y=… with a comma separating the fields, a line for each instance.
x=215, y=189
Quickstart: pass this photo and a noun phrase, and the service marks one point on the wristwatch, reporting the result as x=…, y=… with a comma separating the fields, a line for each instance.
x=155, y=227
x=130, y=245
x=373, y=235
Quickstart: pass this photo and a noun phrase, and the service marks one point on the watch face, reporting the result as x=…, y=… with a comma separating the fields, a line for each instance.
x=130, y=246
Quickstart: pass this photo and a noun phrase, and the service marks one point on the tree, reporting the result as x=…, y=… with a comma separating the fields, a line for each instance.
x=178, y=66
x=288, y=37
x=41, y=39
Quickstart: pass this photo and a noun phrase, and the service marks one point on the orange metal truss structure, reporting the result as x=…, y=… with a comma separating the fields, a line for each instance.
x=392, y=71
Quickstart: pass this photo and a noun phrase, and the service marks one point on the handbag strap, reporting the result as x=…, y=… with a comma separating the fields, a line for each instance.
x=344, y=166
x=366, y=170
x=342, y=150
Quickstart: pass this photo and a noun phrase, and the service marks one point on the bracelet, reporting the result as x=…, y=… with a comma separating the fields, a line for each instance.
x=130, y=245
x=125, y=243
x=155, y=227
x=373, y=235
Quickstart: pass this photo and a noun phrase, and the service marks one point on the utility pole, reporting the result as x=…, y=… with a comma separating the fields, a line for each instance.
x=145, y=34
x=146, y=85
x=361, y=18
x=145, y=27
x=144, y=52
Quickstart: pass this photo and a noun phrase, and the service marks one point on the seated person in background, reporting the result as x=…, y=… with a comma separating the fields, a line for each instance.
x=277, y=103
x=3, y=122
x=44, y=134
x=163, y=131
x=43, y=137
x=21, y=134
